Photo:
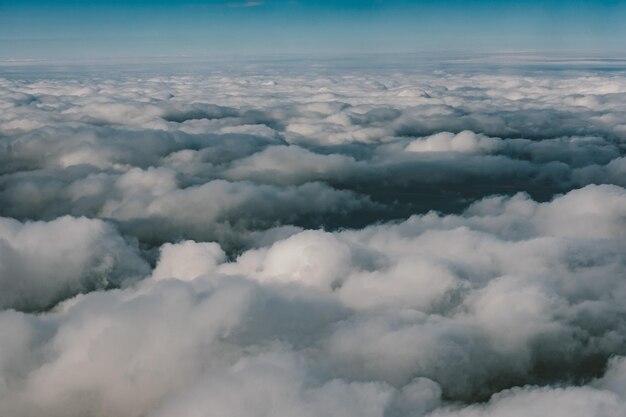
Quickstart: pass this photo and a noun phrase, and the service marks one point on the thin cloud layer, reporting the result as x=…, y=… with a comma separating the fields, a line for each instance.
x=314, y=243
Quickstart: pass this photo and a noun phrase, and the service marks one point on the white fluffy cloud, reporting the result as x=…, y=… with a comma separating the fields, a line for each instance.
x=188, y=260
x=42, y=263
x=313, y=243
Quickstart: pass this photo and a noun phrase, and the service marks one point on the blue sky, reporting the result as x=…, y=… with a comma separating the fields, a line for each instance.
x=46, y=29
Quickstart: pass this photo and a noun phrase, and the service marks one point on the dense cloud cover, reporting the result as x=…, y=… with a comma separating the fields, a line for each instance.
x=313, y=243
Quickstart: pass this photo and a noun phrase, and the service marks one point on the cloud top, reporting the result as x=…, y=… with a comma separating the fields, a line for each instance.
x=329, y=242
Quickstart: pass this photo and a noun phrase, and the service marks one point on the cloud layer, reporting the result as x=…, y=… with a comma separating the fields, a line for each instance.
x=315, y=243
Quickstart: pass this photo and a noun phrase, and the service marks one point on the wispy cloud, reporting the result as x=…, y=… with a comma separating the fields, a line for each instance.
x=243, y=4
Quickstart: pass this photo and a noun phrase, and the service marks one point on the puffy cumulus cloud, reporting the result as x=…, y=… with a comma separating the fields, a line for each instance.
x=162, y=347
x=378, y=243
x=410, y=318
x=615, y=377
x=465, y=141
x=579, y=401
x=286, y=165
x=42, y=263
x=504, y=291
x=410, y=141
x=604, y=397
x=313, y=258
x=224, y=210
x=188, y=259
x=155, y=205
x=116, y=352
x=278, y=385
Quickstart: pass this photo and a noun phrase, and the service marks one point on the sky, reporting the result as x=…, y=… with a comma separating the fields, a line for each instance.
x=98, y=29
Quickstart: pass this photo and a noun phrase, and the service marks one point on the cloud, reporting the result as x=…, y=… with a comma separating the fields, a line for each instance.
x=312, y=242
x=188, y=259
x=278, y=384
x=466, y=141
x=246, y=4
x=579, y=401
x=42, y=263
